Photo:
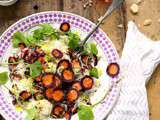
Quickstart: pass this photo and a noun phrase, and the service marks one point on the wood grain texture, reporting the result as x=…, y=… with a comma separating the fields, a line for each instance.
x=23, y=8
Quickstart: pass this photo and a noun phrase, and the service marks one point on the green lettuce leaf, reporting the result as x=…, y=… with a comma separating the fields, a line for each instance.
x=73, y=40
x=94, y=49
x=35, y=69
x=85, y=112
x=31, y=114
x=94, y=72
x=17, y=38
x=3, y=78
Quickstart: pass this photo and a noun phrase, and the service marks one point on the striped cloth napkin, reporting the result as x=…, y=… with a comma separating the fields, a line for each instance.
x=139, y=59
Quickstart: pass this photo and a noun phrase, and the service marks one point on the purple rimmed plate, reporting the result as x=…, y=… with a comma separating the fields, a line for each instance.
x=82, y=26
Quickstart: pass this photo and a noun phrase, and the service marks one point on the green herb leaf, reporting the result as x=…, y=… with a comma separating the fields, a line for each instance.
x=31, y=40
x=85, y=112
x=35, y=69
x=17, y=38
x=47, y=29
x=73, y=40
x=31, y=114
x=94, y=72
x=94, y=49
x=3, y=78
x=55, y=35
x=38, y=34
x=84, y=52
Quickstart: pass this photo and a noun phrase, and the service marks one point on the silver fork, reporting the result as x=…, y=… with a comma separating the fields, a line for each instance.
x=115, y=4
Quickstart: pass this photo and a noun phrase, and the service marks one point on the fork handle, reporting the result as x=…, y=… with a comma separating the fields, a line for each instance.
x=114, y=6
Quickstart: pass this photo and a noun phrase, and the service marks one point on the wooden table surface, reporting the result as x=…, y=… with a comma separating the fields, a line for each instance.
x=149, y=9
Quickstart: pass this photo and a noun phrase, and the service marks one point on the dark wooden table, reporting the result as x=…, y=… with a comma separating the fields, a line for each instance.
x=115, y=27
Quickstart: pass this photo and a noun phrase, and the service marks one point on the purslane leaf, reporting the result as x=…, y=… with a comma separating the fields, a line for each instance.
x=85, y=112
x=47, y=29
x=17, y=38
x=3, y=78
x=94, y=72
x=94, y=49
x=31, y=114
x=73, y=40
x=35, y=69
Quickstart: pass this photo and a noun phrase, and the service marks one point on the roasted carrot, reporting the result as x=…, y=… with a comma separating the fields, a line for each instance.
x=57, y=53
x=77, y=85
x=87, y=82
x=67, y=75
x=67, y=116
x=75, y=63
x=25, y=95
x=49, y=93
x=113, y=69
x=58, y=95
x=72, y=95
x=65, y=27
x=58, y=111
x=47, y=80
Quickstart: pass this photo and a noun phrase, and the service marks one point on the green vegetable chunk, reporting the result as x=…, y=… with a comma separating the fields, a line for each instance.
x=73, y=40
x=3, y=78
x=47, y=29
x=38, y=34
x=17, y=38
x=31, y=114
x=85, y=112
x=94, y=72
x=35, y=69
x=94, y=49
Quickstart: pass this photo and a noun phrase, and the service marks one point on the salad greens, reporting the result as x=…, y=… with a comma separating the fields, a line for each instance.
x=35, y=69
x=17, y=38
x=94, y=72
x=85, y=112
x=93, y=49
x=3, y=78
x=38, y=35
x=31, y=114
x=47, y=32
x=73, y=40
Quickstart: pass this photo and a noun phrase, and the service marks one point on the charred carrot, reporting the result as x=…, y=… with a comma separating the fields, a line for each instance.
x=87, y=82
x=72, y=95
x=65, y=27
x=58, y=95
x=77, y=85
x=57, y=53
x=47, y=80
x=67, y=75
x=58, y=111
x=113, y=69
x=64, y=64
x=25, y=95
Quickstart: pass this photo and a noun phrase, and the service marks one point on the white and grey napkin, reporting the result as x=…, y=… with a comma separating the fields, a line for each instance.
x=140, y=57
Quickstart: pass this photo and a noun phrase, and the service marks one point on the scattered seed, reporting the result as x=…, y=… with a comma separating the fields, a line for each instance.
x=147, y=22
x=134, y=8
x=138, y=1
x=120, y=26
x=87, y=3
x=159, y=20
